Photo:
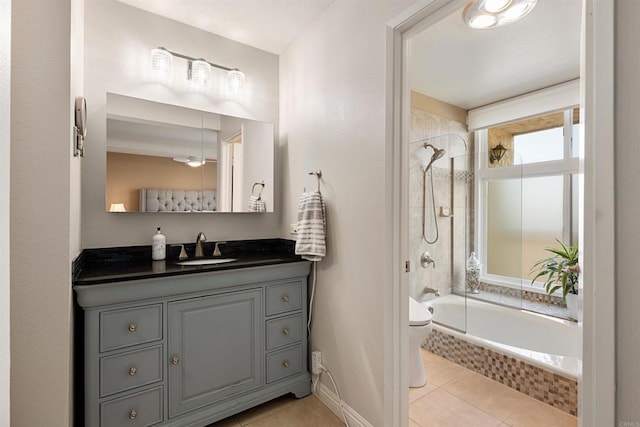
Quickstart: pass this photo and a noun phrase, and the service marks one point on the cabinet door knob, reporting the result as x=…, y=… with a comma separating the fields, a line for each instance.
x=285, y=298
x=285, y=331
x=133, y=414
x=132, y=327
x=133, y=371
x=285, y=364
x=175, y=360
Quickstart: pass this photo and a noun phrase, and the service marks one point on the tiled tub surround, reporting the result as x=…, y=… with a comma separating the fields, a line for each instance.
x=536, y=302
x=449, y=250
x=520, y=368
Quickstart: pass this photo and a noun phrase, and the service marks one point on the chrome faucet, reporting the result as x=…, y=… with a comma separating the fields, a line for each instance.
x=428, y=290
x=201, y=238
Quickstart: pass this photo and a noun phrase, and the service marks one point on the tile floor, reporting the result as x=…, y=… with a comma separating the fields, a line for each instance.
x=453, y=396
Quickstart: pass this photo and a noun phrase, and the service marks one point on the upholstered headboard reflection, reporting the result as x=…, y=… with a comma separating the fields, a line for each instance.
x=159, y=200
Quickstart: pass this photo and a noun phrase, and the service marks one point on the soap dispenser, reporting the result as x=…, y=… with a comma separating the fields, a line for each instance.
x=158, y=247
x=473, y=273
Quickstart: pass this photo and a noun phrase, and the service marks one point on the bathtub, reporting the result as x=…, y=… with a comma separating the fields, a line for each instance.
x=549, y=343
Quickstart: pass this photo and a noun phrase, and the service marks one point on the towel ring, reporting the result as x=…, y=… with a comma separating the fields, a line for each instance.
x=318, y=175
x=254, y=187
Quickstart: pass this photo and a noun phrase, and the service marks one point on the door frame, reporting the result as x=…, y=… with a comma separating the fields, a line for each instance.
x=597, y=384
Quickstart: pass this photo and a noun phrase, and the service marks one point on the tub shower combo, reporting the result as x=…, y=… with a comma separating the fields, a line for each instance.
x=499, y=337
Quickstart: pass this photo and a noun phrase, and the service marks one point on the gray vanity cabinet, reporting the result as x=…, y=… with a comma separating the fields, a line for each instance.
x=192, y=349
x=214, y=347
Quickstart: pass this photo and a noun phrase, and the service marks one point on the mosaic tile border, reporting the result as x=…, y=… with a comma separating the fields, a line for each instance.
x=547, y=387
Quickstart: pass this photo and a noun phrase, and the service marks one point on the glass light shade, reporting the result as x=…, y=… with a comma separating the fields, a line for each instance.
x=161, y=62
x=194, y=163
x=200, y=73
x=482, y=21
x=493, y=6
x=484, y=14
x=235, y=79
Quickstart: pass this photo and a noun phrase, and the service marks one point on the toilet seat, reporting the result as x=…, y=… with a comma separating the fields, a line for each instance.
x=418, y=314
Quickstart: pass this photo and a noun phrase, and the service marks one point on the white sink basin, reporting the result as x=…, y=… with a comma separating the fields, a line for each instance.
x=206, y=261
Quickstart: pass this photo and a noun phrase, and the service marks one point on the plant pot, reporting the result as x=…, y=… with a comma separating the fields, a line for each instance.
x=572, y=305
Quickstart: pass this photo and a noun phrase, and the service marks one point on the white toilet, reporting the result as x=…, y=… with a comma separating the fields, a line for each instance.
x=419, y=329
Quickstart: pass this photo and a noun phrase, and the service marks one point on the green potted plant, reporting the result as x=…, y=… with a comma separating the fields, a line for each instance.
x=561, y=271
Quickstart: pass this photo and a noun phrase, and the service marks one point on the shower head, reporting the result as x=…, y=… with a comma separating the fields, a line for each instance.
x=437, y=154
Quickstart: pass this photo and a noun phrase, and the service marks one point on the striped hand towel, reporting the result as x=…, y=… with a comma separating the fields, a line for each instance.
x=312, y=226
x=256, y=204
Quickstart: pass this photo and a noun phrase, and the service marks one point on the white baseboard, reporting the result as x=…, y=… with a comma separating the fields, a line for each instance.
x=331, y=401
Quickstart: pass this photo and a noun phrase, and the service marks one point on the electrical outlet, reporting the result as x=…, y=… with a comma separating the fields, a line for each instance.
x=293, y=228
x=316, y=362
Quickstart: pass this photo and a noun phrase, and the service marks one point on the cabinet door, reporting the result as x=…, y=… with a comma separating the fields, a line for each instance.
x=215, y=348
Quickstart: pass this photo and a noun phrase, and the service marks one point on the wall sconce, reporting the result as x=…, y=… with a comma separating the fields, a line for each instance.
x=484, y=14
x=497, y=153
x=199, y=71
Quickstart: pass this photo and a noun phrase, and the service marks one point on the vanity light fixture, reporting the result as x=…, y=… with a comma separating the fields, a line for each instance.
x=497, y=153
x=199, y=71
x=485, y=14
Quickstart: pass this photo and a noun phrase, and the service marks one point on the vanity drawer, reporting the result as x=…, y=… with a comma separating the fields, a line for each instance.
x=283, y=297
x=283, y=363
x=131, y=326
x=136, y=410
x=284, y=331
x=128, y=370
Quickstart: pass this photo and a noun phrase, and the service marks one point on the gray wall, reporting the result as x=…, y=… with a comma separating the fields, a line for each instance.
x=44, y=203
x=627, y=194
x=118, y=44
x=5, y=153
x=332, y=86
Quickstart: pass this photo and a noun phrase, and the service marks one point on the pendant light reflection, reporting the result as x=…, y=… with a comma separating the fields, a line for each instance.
x=486, y=14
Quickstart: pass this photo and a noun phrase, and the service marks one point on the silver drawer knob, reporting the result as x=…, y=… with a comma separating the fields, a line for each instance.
x=133, y=371
x=133, y=327
x=133, y=414
x=285, y=298
x=175, y=360
x=285, y=331
x=285, y=364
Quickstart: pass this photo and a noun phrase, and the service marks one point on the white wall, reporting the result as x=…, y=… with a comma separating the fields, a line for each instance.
x=119, y=39
x=42, y=196
x=332, y=91
x=5, y=152
x=627, y=211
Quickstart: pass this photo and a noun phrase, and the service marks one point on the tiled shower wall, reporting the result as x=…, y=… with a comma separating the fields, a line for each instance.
x=451, y=249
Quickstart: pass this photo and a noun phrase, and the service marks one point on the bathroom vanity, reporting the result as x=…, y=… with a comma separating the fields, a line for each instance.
x=173, y=345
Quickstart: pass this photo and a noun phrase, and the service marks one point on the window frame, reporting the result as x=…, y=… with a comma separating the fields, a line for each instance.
x=566, y=167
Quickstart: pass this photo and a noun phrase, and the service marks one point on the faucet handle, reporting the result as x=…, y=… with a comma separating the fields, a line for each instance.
x=216, y=250
x=183, y=253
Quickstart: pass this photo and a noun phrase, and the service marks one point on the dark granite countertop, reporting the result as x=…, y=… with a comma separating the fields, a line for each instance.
x=104, y=265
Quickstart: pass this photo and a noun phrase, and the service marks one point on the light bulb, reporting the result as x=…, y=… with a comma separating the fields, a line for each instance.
x=482, y=21
x=200, y=73
x=161, y=63
x=516, y=12
x=493, y=6
x=235, y=81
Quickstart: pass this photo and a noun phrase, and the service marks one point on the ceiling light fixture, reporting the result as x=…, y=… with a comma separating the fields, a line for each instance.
x=485, y=14
x=199, y=71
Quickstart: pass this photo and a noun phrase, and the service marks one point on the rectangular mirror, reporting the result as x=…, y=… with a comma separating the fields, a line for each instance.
x=166, y=158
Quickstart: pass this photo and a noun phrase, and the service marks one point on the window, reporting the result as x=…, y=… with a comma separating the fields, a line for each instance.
x=528, y=198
